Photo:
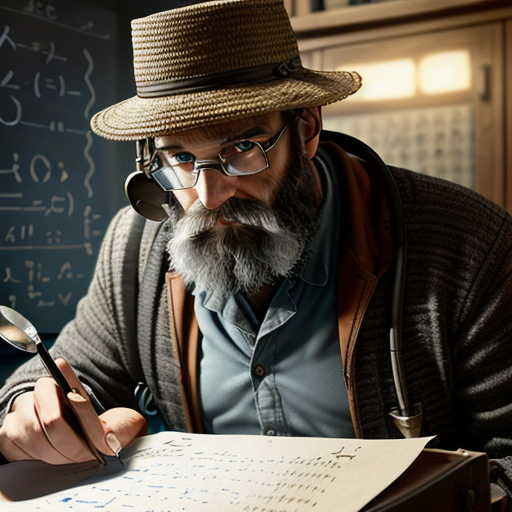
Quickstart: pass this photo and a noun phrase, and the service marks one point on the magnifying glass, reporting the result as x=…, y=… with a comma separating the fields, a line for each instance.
x=18, y=332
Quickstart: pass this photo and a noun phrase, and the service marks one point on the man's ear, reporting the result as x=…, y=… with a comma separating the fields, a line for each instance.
x=310, y=125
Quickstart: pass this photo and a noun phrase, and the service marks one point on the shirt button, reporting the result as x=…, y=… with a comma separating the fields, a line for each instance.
x=259, y=371
x=270, y=431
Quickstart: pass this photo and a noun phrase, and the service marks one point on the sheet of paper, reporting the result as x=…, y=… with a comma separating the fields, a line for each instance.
x=189, y=472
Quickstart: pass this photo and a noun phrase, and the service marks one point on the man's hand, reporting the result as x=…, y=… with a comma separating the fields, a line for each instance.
x=42, y=426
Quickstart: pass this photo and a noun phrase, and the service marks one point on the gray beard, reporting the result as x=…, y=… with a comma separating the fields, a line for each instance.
x=264, y=245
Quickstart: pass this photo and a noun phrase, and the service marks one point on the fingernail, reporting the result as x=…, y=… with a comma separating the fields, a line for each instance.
x=113, y=442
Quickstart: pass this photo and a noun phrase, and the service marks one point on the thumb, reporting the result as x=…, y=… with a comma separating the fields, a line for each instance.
x=125, y=423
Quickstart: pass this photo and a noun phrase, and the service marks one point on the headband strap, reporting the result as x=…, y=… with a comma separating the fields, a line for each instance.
x=233, y=78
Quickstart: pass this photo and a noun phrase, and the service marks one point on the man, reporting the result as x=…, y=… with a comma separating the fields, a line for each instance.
x=261, y=303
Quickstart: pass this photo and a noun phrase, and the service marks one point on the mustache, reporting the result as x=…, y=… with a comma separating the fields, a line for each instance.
x=246, y=212
x=242, y=257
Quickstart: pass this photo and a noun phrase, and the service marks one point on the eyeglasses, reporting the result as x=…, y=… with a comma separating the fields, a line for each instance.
x=180, y=170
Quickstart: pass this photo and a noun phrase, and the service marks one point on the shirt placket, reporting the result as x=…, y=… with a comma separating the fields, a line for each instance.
x=266, y=395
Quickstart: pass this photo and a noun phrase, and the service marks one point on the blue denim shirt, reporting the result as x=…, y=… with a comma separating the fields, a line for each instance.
x=283, y=376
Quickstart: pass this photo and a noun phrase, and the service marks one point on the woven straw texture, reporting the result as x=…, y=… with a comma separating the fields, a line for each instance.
x=202, y=40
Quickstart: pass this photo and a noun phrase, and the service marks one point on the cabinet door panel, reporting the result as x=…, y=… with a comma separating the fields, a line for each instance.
x=441, y=104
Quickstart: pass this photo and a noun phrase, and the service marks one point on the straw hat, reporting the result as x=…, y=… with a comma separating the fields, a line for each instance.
x=214, y=62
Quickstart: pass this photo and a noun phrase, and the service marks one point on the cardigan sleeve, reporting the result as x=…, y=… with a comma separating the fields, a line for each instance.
x=100, y=343
x=483, y=357
x=457, y=318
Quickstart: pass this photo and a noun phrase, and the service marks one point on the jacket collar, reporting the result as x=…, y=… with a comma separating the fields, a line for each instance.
x=365, y=216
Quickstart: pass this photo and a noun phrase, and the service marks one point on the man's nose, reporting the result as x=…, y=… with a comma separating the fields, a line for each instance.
x=214, y=188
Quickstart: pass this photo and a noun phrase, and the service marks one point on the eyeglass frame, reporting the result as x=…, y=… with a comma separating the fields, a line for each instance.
x=152, y=164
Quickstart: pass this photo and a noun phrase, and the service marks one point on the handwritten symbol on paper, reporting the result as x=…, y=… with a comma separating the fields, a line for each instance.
x=341, y=455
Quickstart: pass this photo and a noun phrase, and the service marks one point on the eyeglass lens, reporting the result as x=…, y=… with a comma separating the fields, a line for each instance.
x=173, y=175
x=174, y=172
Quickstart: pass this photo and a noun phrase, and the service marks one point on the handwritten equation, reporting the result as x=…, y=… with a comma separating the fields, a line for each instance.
x=172, y=471
x=53, y=212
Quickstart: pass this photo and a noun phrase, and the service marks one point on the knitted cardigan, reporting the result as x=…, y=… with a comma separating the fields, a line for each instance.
x=457, y=325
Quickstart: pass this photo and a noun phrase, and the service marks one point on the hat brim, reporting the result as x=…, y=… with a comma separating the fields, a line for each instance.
x=141, y=118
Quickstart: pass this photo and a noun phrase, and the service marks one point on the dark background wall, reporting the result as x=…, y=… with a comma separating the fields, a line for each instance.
x=60, y=62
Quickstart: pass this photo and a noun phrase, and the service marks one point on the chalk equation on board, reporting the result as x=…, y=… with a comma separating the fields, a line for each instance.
x=51, y=218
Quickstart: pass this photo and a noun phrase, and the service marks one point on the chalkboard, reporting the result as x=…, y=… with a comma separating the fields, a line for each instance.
x=60, y=62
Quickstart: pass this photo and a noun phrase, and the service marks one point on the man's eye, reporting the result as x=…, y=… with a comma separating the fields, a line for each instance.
x=183, y=158
x=244, y=145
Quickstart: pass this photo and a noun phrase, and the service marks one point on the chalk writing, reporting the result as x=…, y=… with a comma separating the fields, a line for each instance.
x=51, y=211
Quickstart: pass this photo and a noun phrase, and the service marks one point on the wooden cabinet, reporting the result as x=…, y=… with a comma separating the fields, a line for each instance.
x=508, y=124
x=437, y=80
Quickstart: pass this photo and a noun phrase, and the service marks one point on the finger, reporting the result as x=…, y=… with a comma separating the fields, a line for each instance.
x=58, y=425
x=127, y=424
x=22, y=437
x=17, y=427
x=11, y=451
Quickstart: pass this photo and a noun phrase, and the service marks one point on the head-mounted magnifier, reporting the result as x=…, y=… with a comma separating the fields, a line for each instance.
x=145, y=196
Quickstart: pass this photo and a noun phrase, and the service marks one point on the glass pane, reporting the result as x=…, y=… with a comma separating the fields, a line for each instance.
x=444, y=72
x=438, y=141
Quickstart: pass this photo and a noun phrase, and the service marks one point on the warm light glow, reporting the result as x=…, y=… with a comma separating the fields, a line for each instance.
x=435, y=73
x=386, y=80
x=444, y=72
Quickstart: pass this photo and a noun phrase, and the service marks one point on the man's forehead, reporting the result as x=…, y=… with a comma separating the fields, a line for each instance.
x=223, y=131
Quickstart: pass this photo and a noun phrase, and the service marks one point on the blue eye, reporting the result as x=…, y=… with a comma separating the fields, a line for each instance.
x=244, y=145
x=183, y=158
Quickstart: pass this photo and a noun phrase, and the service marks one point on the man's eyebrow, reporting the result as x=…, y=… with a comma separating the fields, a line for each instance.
x=247, y=134
x=169, y=147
